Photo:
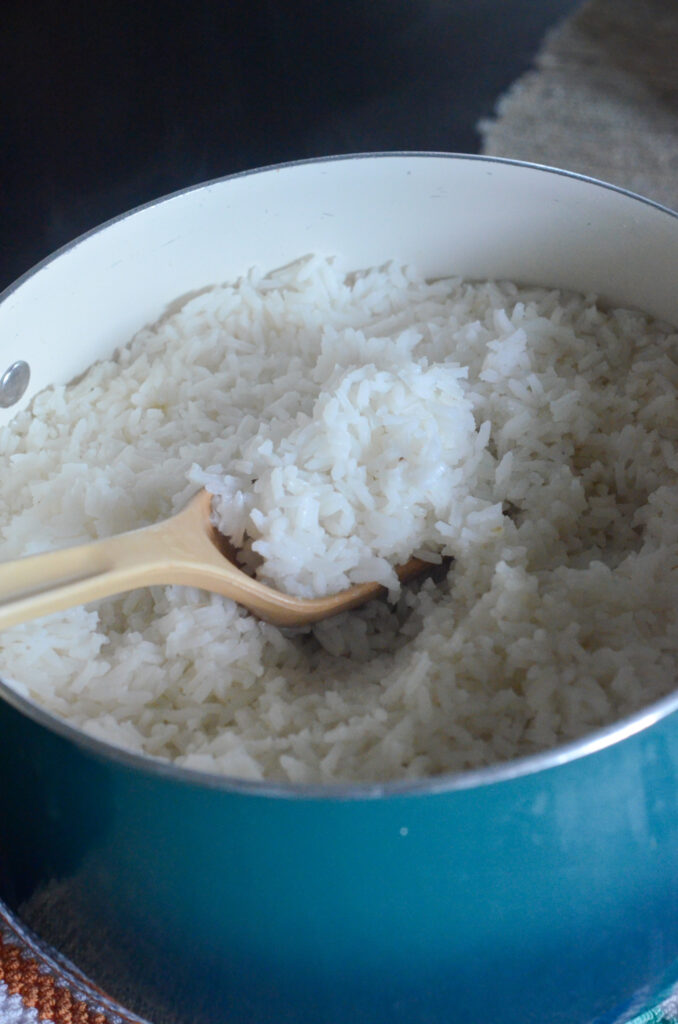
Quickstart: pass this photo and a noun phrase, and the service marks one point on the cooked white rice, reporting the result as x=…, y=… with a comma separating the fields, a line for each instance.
x=342, y=423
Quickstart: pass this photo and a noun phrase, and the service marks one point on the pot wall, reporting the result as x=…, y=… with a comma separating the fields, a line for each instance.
x=450, y=215
x=549, y=896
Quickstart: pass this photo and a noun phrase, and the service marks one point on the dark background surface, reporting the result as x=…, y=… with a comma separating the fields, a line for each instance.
x=107, y=105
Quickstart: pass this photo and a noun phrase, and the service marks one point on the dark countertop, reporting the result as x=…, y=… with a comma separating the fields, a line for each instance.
x=109, y=105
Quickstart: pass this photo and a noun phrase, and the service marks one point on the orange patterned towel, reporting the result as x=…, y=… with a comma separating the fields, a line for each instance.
x=36, y=986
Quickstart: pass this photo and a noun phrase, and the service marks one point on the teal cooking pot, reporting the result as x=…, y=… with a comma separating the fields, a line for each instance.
x=542, y=890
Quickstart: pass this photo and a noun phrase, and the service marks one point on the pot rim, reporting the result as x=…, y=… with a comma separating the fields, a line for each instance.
x=554, y=757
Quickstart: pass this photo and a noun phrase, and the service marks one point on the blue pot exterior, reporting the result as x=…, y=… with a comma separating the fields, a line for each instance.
x=551, y=896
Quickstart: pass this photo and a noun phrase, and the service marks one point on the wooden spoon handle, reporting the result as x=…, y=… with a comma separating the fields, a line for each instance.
x=183, y=550
x=40, y=584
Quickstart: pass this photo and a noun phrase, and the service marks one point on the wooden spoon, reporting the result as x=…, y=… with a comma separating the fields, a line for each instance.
x=185, y=549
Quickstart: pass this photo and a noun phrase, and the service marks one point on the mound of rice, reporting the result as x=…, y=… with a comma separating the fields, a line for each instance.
x=343, y=422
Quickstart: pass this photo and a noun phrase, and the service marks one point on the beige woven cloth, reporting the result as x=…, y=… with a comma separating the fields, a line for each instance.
x=602, y=99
